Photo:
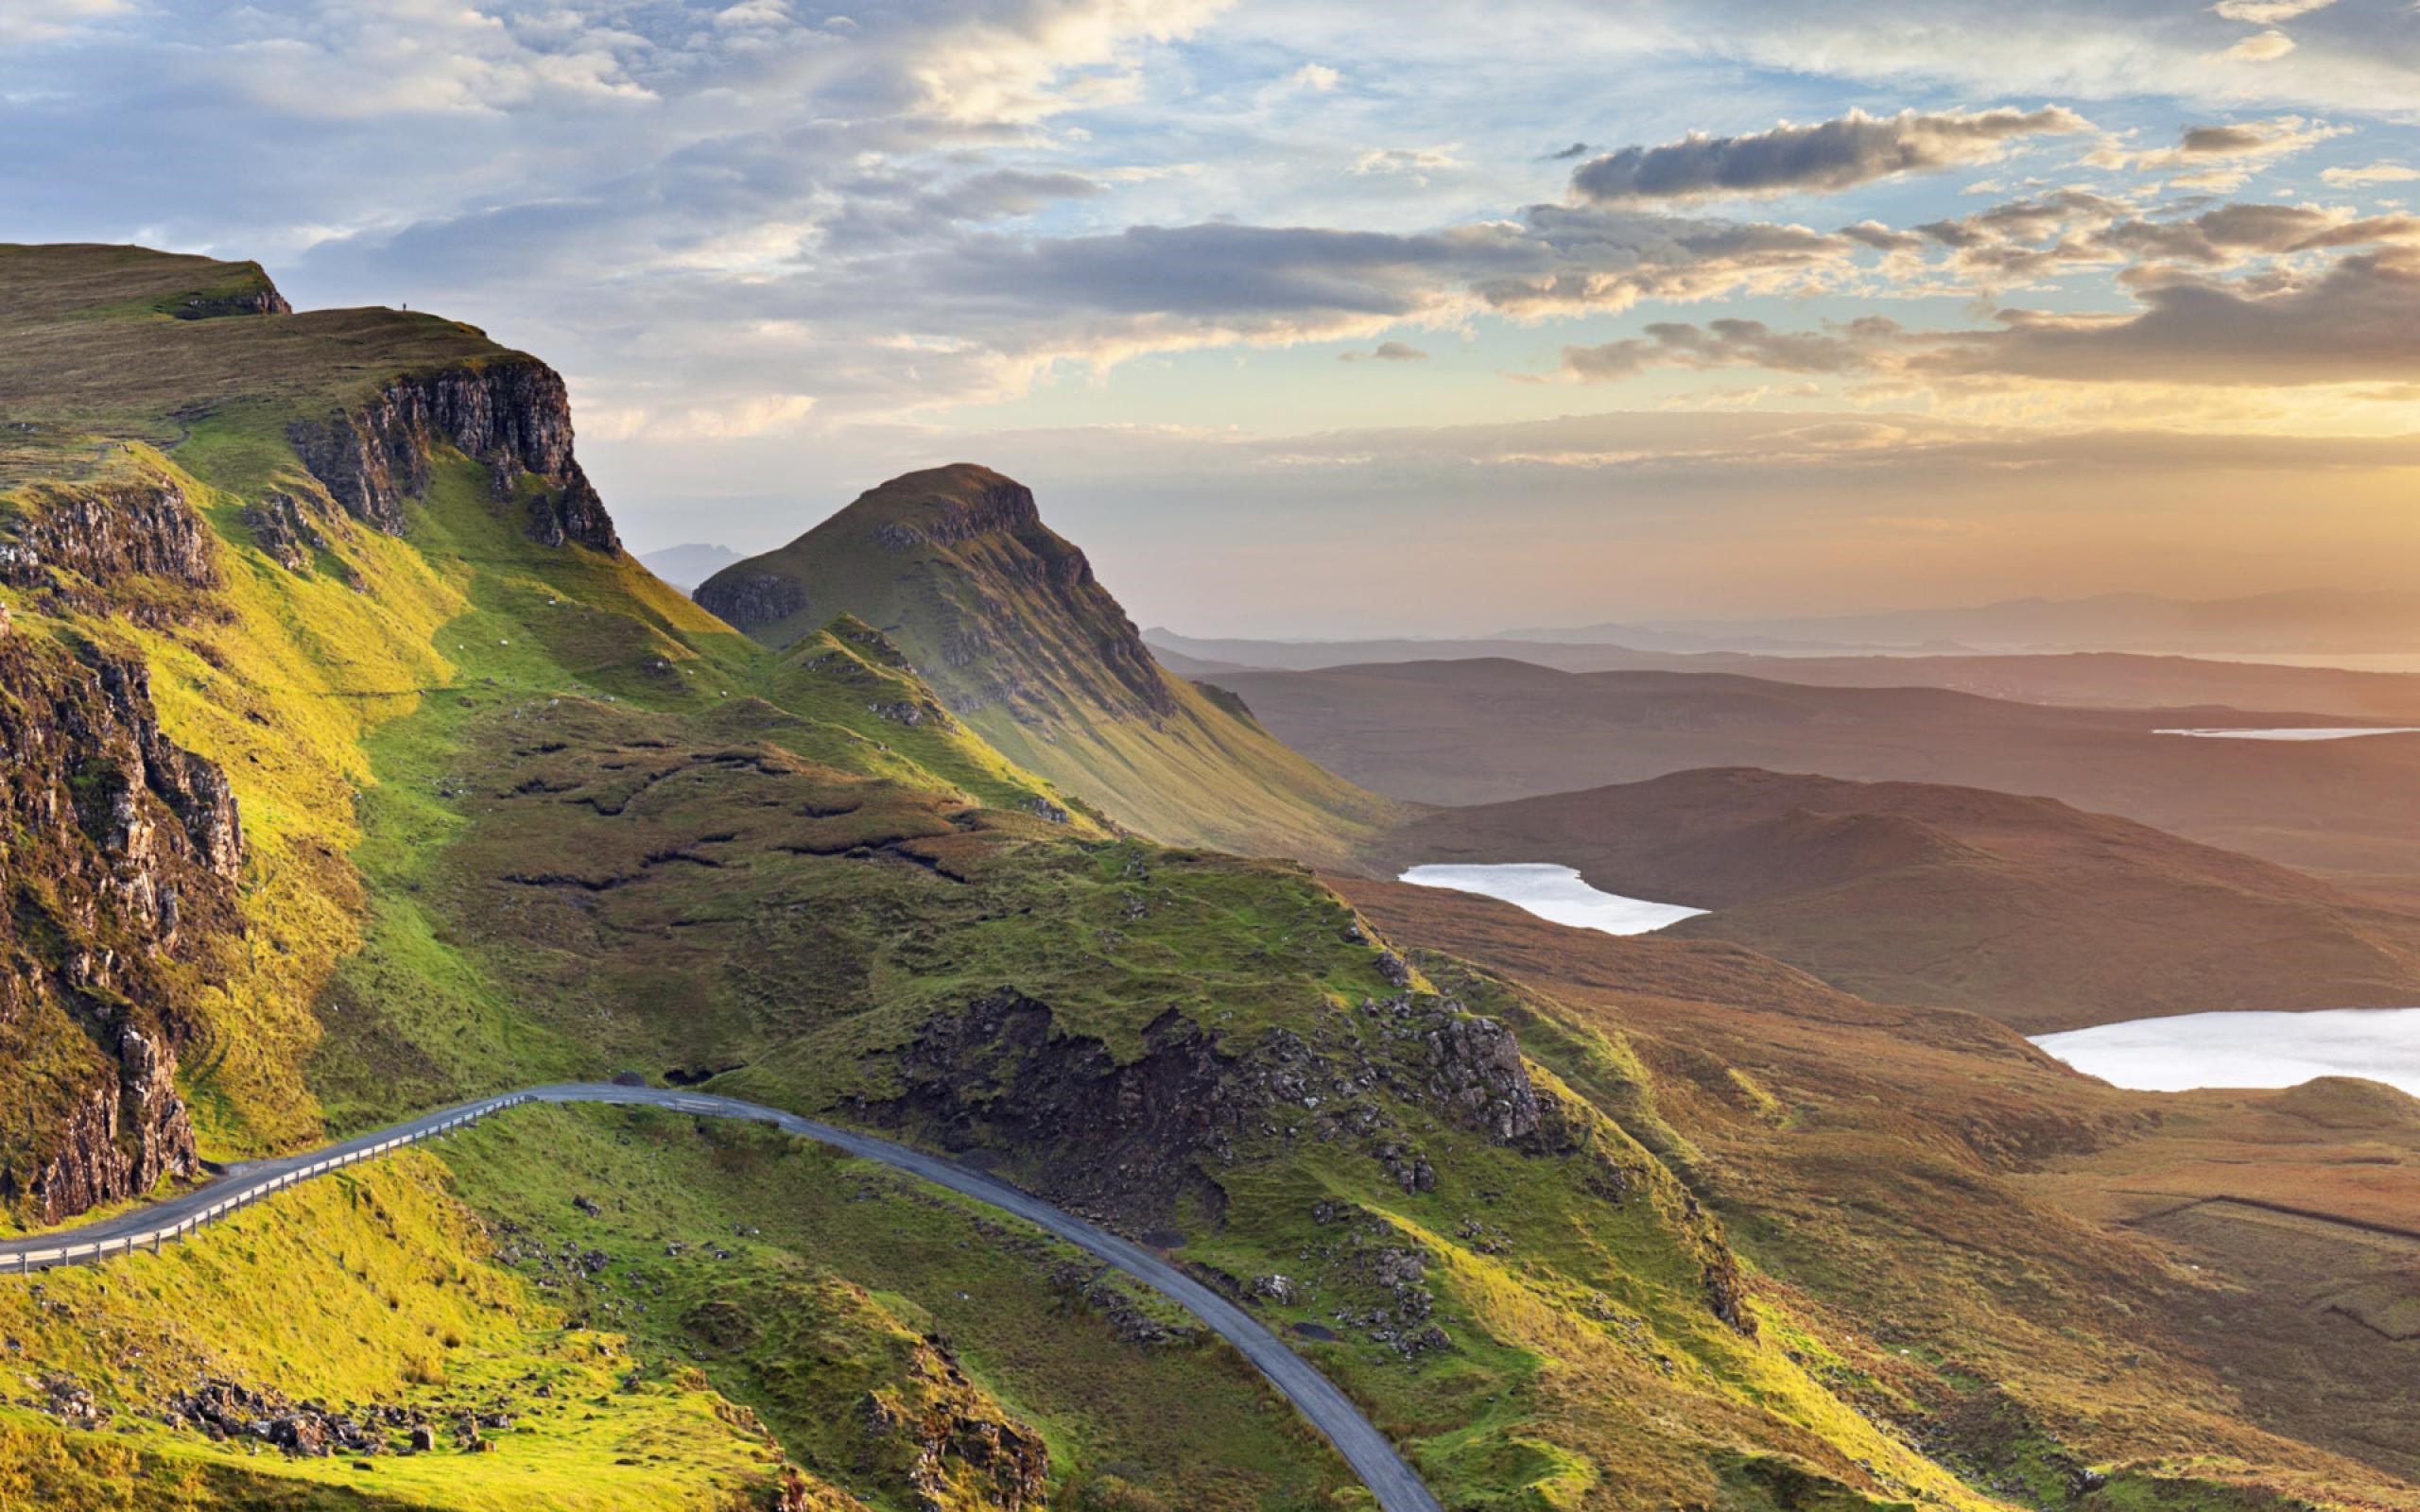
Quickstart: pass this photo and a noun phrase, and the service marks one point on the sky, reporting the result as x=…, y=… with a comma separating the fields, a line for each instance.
x=1307, y=316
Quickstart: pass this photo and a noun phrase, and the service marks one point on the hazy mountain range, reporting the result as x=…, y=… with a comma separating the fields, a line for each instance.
x=2315, y=620
x=684, y=567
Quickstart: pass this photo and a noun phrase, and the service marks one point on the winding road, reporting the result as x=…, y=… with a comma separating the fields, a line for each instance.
x=1328, y=1409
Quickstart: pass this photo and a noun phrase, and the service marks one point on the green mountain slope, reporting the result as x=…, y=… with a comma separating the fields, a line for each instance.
x=1006, y=620
x=338, y=709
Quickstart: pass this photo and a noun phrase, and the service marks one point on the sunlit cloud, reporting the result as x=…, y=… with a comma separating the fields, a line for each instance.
x=2261, y=47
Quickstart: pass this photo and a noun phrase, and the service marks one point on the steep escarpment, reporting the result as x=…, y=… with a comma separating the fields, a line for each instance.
x=1011, y=626
x=510, y=415
x=122, y=855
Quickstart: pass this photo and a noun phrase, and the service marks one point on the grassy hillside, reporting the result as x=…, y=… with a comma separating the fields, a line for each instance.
x=512, y=809
x=2042, y=916
x=1006, y=620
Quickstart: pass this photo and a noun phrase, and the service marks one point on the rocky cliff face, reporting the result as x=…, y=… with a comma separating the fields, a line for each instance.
x=73, y=543
x=753, y=598
x=1130, y=1139
x=511, y=414
x=1033, y=596
x=997, y=611
x=122, y=852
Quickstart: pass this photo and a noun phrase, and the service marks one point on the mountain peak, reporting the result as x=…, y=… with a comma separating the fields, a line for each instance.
x=1005, y=621
x=953, y=562
x=942, y=506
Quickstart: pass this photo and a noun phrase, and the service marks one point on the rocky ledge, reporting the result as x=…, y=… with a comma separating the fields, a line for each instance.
x=510, y=415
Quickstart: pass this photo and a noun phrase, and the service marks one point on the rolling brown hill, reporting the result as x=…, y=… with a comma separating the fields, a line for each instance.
x=1485, y=732
x=2039, y=915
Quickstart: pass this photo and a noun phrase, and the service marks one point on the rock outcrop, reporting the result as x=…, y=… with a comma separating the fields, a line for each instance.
x=251, y=292
x=72, y=542
x=510, y=415
x=122, y=852
x=753, y=598
x=285, y=527
x=1129, y=1138
x=959, y=1447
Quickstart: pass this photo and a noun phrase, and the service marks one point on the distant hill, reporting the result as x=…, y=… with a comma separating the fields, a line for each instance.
x=2022, y=908
x=1484, y=731
x=1006, y=620
x=685, y=567
x=2308, y=621
x=2083, y=679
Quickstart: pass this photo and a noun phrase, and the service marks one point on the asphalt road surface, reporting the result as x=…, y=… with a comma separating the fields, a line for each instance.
x=1328, y=1409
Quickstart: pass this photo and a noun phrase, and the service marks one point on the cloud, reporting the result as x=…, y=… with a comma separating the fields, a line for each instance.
x=1609, y=260
x=1386, y=352
x=2215, y=157
x=2374, y=172
x=2358, y=322
x=2268, y=12
x=1413, y=163
x=1577, y=149
x=2233, y=233
x=1730, y=343
x=2261, y=47
x=33, y=21
x=1828, y=156
x=1316, y=77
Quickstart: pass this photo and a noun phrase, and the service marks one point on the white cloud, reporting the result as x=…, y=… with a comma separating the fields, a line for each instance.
x=1316, y=77
x=2261, y=47
x=2374, y=172
x=2268, y=12
x=1416, y=162
x=32, y=21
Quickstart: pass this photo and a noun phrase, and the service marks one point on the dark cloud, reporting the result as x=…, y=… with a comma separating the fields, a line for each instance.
x=1577, y=149
x=1830, y=155
x=1386, y=352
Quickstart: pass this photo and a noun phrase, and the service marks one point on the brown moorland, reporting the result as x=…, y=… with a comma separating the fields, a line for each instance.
x=2042, y=916
x=2101, y=1265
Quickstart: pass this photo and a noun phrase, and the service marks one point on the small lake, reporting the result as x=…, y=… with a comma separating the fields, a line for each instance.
x=2322, y=732
x=2194, y=1050
x=1554, y=893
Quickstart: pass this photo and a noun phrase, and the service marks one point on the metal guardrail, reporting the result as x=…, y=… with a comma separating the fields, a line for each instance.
x=20, y=1256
